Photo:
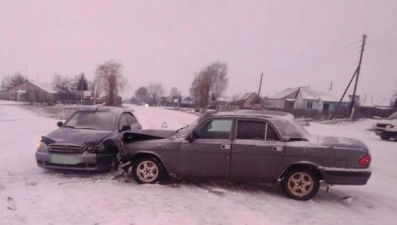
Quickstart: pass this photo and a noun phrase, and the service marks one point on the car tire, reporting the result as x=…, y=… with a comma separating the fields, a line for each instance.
x=300, y=184
x=385, y=138
x=147, y=170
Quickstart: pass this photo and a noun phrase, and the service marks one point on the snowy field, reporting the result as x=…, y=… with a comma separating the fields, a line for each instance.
x=31, y=195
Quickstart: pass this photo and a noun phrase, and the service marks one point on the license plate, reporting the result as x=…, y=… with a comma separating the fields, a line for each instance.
x=65, y=159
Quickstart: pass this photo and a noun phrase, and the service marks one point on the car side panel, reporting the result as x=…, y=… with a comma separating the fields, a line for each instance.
x=255, y=159
x=167, y=150
x=300, y=152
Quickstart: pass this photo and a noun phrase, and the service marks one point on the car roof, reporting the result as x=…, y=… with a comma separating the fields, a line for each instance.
x=250, y=114
x=100, y=108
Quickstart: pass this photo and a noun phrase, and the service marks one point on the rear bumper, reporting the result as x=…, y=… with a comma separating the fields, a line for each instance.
x=88, y=162
x=343, y=176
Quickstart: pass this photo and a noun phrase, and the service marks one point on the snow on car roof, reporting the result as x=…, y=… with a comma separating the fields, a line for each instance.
x=251, y=113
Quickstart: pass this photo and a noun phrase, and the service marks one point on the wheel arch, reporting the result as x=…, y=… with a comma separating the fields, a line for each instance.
x=303, y=165
x=142, y=154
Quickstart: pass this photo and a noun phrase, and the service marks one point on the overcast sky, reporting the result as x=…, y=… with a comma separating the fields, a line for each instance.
x=294, y=43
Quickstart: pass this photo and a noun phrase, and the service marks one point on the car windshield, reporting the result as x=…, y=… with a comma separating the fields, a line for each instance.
x=393, y=116
x=292, y=129
x=92, y=121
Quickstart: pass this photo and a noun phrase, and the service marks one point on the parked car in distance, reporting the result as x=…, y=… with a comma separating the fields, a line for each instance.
x=387, y=128
x=89, y=140
x=248, y=145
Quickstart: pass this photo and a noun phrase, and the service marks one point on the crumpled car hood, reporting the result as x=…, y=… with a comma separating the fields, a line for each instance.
x=78, y=136
x=341, y=142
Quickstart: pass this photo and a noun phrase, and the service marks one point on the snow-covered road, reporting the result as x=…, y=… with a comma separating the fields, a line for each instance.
x=31, y=195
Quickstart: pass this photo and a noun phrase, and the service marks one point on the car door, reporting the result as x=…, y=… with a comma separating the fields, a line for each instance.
x=208, y=155
x=257, y=151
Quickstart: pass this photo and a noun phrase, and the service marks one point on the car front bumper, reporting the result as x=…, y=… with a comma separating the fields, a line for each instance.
x=89, y=162
x=342, y=176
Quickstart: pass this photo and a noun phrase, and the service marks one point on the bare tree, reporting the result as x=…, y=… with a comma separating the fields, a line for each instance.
x=61, y=83
x=142, y=94
x=174, y=93
x=212, y=79
x=108, y=77
x=80, y=82
x=12, y=80
x=394, y=98
x=219, y=80
x=156, y=92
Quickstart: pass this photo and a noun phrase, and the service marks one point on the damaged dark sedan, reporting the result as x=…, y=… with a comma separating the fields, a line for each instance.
x=248, y=145
x=89, y=140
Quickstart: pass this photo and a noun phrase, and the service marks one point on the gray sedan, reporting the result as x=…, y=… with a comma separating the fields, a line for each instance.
x=248, y=145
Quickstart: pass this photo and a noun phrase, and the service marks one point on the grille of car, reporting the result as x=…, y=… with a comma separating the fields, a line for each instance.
x=381, y=125
x=65, y=148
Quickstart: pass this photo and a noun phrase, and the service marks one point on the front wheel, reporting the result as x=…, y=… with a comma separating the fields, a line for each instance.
x=385, y=137
x=147, y=171
x=300, y=184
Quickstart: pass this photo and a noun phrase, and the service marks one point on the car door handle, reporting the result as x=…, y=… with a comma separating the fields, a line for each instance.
x=277, y=149
x=225, y=146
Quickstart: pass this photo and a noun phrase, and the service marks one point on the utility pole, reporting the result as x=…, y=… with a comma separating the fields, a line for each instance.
x=358, y=75
x=356, y=72
x=259, y=91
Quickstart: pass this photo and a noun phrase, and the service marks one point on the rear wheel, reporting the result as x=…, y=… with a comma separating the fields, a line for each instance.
x=300, y=184
x=147, y=170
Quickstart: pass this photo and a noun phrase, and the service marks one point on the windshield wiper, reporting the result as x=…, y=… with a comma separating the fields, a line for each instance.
x=86, y=128
x=174, y=132
x=69, y=126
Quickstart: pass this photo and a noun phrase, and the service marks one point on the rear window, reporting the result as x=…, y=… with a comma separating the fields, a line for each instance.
x=291, y=129
x=92, y=120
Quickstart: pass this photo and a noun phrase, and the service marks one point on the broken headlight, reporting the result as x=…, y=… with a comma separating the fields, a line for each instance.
x=94, y=148
x=41, y=146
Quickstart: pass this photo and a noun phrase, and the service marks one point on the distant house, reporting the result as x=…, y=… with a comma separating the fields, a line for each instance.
x=187, y=102
x=31, y=91
x=3, y=93
x=305, y=98
x=248, y=101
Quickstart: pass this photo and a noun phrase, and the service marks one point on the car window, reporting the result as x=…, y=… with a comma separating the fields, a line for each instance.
x=131, y=119
x=123, y=121
x=256, y=130
x=214, y=129
x=92, y=120
x=270, y=134
x=251, y=130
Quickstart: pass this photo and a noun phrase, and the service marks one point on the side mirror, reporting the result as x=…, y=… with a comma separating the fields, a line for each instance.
x=59, y=124
x=190, y=137
x=125, y=127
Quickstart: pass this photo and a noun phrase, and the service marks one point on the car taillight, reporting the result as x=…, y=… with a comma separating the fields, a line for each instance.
x=365, y=160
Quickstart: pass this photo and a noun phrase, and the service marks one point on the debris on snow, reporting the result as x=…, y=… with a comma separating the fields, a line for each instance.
x=11, y=204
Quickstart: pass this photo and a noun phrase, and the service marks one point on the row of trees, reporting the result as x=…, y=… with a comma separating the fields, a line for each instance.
x=208, y=84
x=154, y=94
x=108, y=81
x=10, y=81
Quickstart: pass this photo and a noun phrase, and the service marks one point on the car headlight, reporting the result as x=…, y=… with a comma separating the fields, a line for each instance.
x=95, y=148
x=390, y=126
x=41, y=146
